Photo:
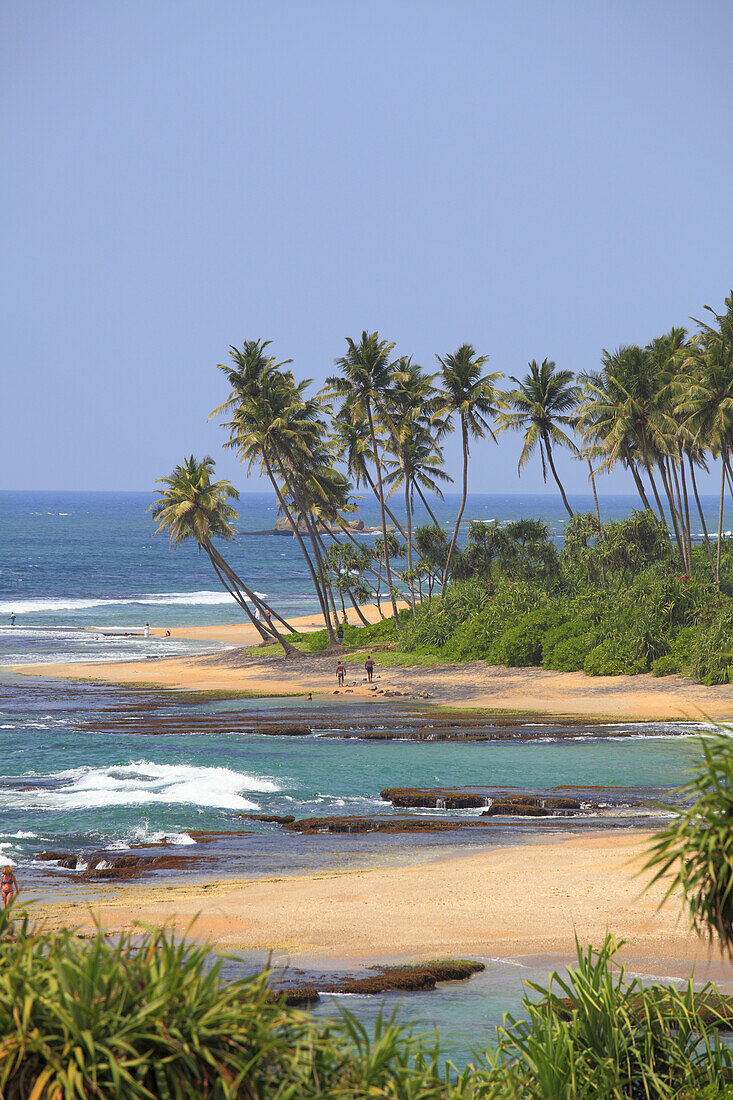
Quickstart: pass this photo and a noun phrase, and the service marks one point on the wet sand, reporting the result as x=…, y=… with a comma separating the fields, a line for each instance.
x=509, y=902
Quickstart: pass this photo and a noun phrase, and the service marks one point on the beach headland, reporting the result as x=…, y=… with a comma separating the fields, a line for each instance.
x=244, y=670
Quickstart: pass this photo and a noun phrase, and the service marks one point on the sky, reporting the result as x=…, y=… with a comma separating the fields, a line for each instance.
x=538, y=179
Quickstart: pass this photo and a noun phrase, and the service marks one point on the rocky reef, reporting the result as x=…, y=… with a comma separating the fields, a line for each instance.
x=303, y=988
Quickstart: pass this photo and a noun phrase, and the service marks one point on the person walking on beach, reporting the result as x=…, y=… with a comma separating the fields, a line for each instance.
x=146, y=631
x=8, y=885
x=340, y=673
x=369, y=666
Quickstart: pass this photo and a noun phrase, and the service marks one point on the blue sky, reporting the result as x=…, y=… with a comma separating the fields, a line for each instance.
x=538, y=179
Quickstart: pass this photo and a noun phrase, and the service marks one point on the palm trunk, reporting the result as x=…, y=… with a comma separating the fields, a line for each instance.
x=356, y=608
x=464, y=494
x=702, y=517
x=387, y=509
x=428, y=509
x=595, y=494
x=673, y=511
x=409, y=546
x=639, y=486
x=297, y=535
x=217, y=560
x=660, y=507
x=378, y=468
x=720, y=523
x=686, y=505
x=548, y=448
x=264, y=634
x=684, y=526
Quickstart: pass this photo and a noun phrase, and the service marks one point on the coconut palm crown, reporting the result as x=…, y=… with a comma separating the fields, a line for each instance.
x=540, y=406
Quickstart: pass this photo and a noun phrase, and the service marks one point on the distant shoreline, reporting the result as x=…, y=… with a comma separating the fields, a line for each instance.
x=474, y=686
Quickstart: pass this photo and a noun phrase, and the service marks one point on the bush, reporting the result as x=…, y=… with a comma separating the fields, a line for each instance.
x=667, y=665
x=608, y=659
x=595, y=1035
x=711, y=655
x=151, y=1020
x=565, y=647
x=521, y=645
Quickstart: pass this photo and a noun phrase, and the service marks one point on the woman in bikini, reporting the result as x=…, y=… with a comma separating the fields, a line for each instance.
x=8, y=885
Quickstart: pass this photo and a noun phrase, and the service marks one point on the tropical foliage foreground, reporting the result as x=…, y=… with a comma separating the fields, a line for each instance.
x=142, y=1018
x=152, y=1020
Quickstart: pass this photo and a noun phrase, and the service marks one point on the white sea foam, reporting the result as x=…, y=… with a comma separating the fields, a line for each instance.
x=144, y=783
x=142, y=834
x=148, y=599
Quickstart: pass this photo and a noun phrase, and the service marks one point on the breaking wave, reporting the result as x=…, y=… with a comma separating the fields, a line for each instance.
x=143, y=783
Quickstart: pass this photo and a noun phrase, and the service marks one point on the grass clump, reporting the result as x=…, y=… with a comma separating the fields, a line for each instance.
x=152, y=1020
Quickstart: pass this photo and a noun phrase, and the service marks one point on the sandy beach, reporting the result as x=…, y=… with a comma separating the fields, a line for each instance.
x=524, y=900
x=472, y=685
x=528, y=899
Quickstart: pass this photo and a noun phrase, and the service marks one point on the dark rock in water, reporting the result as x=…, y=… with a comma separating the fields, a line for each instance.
x=102, y=866
x=297, y=996
x=283, y=527
x=561, y=803
x=516, y=809
x=435, y=798
x=66, y=860
x=302, y=988
x=313, y=825
x=275, y=819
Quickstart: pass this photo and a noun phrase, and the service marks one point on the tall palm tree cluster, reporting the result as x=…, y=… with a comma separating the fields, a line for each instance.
x=663, y=411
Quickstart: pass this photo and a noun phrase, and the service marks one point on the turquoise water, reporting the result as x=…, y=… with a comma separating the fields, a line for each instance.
x=81, y=768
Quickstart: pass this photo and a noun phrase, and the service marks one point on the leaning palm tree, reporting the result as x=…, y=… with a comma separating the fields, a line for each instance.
x=192, y=506
x=705, y=400
x=472, y=398
x=541, y=407
x=364, y=384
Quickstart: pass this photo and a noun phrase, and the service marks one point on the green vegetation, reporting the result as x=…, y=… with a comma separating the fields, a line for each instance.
x=146, y=1018
x=611, y=601
x=619, y=598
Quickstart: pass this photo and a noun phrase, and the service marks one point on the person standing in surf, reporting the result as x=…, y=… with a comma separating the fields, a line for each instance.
x=8, y=885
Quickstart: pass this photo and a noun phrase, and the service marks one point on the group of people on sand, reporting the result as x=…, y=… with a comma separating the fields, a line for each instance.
x=341, y=671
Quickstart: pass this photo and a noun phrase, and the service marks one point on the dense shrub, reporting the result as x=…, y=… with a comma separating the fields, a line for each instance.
x=521, y=645
x=711, y=650
x=565, y=647
x=611, y=659
x=667, y=665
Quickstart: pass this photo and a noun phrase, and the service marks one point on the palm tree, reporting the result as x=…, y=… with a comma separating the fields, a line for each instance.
x=705, y=399
x=364, y=384
x=352, y=444
x=541, y=407
x=193, y=506
x=418, y=459
x=471, y=397
x=604, y=421
x=274, y=426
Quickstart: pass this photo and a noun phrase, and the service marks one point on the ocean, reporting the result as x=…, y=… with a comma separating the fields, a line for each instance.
x=85, y=769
